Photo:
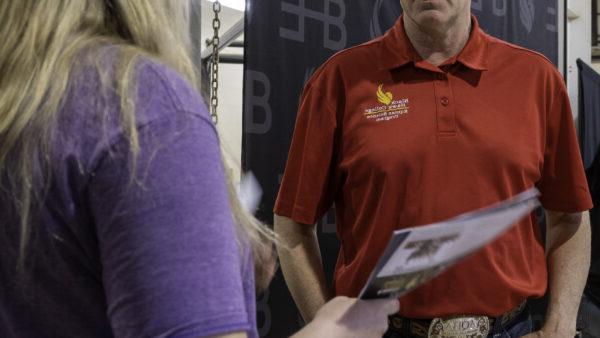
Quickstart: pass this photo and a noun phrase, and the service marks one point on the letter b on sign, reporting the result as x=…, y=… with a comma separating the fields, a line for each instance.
x=258, y=115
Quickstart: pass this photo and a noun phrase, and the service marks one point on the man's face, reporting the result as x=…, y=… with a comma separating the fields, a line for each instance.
x=435, y=13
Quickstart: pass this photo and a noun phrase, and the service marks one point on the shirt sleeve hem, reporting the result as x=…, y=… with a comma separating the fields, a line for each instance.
x=217, y=330
x=295, y=213
x=216, y=326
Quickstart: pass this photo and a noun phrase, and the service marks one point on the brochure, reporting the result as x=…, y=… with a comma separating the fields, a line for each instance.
x=416, y=255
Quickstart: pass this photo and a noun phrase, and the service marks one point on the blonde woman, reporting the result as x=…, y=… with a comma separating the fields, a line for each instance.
x=115, y=220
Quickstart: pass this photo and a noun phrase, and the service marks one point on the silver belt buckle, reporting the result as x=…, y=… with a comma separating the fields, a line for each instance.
x=459, y=327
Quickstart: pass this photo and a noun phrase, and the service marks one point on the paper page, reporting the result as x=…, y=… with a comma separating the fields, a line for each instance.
x=418, y=254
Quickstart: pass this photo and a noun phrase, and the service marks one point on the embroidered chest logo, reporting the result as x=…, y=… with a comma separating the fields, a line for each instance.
x=389, y=109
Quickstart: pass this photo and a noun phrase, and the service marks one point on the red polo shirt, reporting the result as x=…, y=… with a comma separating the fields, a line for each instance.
x=395, y=142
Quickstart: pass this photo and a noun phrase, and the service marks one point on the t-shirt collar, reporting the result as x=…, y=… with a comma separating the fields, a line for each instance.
x=396, y=49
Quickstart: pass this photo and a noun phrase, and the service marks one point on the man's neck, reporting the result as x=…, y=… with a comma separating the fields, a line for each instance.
x=437, y=46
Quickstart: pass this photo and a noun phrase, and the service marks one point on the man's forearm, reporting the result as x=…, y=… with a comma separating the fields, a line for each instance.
x=568, y=250
x=302, y=266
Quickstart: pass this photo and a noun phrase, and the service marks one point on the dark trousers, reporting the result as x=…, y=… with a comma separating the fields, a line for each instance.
x=588, y=319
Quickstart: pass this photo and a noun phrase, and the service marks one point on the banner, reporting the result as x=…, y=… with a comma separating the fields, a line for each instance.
x=589, y=113
x=589, y=137
x=285, y=42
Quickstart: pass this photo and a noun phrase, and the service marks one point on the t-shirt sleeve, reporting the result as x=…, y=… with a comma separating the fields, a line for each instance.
x=171, y=264
x=307, y=187
x=563, y=185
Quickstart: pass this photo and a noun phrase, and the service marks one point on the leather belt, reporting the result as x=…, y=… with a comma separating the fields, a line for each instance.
x=453, y=327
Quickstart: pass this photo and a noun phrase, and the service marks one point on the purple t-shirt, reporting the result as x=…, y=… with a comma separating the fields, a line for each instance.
x=112, y=257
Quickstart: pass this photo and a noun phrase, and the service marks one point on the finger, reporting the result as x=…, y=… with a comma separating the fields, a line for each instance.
x=384, y=326
x=388, y=306
x=391, y=306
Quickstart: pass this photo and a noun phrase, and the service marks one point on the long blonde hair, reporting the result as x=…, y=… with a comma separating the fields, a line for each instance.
x=41, y=41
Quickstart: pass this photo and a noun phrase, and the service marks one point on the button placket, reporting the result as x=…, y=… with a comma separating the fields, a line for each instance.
x=445, y=113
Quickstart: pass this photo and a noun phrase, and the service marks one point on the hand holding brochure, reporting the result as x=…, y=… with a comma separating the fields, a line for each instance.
x=415, y=255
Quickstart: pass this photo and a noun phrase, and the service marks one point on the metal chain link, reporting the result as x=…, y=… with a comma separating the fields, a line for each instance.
x=214, y=99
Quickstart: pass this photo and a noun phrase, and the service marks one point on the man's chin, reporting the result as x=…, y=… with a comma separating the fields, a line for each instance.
x=431, y=20
x=431, y=17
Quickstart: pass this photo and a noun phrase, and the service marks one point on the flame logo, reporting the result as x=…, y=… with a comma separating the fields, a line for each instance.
x=383, y=97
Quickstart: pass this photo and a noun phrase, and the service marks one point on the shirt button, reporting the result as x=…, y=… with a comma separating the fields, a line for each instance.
x=445, y=101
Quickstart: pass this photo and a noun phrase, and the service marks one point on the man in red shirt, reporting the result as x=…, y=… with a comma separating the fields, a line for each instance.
x=431, y=120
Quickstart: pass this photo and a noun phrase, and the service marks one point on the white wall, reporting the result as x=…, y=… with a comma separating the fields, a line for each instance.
x=230, y=87
x=230, y=112
x=561, y=35
x=578, y=45
x=596, y=65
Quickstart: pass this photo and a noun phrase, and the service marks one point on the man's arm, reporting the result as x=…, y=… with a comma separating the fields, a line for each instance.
x=568, y=254
x=302, y=265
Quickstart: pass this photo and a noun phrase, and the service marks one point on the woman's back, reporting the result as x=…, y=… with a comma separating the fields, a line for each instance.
x=125, y=247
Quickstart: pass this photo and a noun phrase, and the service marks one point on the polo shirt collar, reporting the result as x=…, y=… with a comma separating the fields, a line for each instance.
x=396, y=49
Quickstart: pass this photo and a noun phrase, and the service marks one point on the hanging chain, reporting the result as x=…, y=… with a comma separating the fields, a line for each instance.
x=214, y=99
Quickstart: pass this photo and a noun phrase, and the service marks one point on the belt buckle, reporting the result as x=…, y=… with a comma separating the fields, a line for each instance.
x=459, y=327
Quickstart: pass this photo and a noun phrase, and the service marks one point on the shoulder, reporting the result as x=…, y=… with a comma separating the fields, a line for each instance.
x=364, y=52
x=154, y=89
x=162, y=86
x=92, y=117
x=361, y=57
x=508, y=56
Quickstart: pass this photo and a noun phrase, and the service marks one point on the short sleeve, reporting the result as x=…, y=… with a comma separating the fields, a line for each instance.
x=307, y=188
x=171, y=264
x=563, y=185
